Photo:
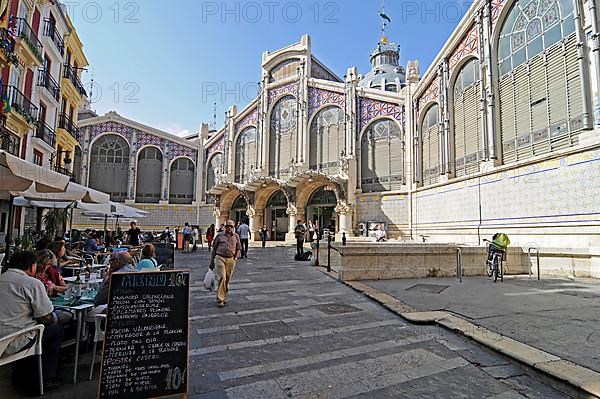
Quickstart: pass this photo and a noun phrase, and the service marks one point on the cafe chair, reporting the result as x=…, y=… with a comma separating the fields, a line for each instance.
x=98, y=337
x=35, y=349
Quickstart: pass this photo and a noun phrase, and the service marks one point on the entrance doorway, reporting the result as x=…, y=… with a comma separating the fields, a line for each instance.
x=276, y=217
x=238, y=210
x=321, y=210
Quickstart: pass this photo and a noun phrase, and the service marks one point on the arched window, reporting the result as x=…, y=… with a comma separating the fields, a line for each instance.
x=541, y=102
x=284, y=70
x=214, y=169
x=382, y=157
x=277, y=199
x=430, y=143
x=181, y=186
x=245, y=154
x=109, y=166
x=149, y=176
x=282, y=137
x=239, y=209
x=327, y=140
x=467, y=119
x=322, y=197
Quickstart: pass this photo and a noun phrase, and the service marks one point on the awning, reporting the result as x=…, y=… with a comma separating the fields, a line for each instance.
x=17, y=175
x=74, y=192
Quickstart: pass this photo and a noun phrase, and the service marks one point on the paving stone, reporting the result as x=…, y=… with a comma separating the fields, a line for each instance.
x=505, y=371
x=303, y=383
x=257, y=390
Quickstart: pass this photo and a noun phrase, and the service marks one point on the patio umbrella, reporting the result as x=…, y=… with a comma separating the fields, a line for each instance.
x=74, y=192
x=18, y=175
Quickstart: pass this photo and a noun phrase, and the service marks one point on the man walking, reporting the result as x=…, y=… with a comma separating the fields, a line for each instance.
x=299, y=233
x=226, y=250
x=187, y=237
x=244, y=232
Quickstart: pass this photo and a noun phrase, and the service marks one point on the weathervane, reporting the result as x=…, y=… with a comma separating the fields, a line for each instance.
x=385, y=20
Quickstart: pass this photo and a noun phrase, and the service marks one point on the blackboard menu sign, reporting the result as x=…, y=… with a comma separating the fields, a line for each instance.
x=165, y=255
x=146, y=342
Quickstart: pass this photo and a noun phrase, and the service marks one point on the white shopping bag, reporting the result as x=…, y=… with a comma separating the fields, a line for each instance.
x=209, y=280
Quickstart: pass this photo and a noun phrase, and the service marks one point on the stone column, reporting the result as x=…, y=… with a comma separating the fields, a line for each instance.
x=292, y=213
x=85, y=157
x=345, y=217
x=132, y=169
x=251, y=212
x=164, y=181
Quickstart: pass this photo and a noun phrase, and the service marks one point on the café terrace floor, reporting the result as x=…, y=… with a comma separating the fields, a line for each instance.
x=289, y=330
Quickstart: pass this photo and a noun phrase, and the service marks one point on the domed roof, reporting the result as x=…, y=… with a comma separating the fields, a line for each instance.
x=386, y=73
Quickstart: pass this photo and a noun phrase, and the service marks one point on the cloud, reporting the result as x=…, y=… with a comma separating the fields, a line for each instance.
x=175, y=129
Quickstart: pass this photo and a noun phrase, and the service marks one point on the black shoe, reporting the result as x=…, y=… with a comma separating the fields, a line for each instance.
x=53, y=382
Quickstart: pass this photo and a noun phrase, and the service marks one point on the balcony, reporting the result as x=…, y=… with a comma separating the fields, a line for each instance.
x=64, y=122
x=46, y=134
x=15, y=100
x=46, y=80
x=9, y=142
x=51, y=31
x=26, y=33
x=64, y=171
x=70, y=74
x=7, y=46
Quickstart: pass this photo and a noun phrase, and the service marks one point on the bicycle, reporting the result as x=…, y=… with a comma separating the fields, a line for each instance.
x=496, y=256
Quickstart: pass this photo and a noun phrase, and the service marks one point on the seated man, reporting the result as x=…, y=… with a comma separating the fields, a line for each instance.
x=91, y=245
x=120, y=262
x=25, y=304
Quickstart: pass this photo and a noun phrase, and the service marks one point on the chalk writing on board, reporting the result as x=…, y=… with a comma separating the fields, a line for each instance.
x=146, y=341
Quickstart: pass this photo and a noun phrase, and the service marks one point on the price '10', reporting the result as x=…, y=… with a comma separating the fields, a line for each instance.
x=175, y=378
x=177, y=280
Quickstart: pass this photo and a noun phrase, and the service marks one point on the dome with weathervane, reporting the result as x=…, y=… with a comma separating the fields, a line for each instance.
x=386, y=72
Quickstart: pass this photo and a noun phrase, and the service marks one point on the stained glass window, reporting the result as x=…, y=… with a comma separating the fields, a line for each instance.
x=531, y=27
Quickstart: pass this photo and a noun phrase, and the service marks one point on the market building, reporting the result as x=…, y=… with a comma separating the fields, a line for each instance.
x=500, y=133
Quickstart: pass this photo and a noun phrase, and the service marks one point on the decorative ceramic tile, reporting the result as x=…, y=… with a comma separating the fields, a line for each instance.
x=319, y=97
x=370, y=109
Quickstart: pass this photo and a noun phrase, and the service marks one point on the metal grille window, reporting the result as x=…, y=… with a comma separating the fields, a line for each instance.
x=327, y=140
x=467, y=119
x=213, y=171
x=282, y=138
x=284, y=70
x=430, y=146
x=541, y=102
x=382, y=157
x=149, y=176
x=109, y=166
x=245, y=155
x=181, y=186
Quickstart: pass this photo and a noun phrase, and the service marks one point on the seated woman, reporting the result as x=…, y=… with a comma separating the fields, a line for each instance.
x=48, y=274
x=148, y=262
x=59, y=250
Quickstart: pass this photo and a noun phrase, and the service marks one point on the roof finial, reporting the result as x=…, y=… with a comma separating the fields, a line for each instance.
x=384, y=22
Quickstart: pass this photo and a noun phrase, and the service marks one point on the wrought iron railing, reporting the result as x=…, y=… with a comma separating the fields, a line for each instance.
x=51, y=31
x=9, y=142
x=7, y=45
x=17, y=101
x=70, y=73
x=26, y=33
x=46, y=80
x=46, y=133
x=64, y=122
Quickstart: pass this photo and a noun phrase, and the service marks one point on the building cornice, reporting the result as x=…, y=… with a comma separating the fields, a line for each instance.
x=114, y=117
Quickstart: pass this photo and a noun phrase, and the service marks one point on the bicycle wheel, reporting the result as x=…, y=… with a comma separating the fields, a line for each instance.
x=496, y=270
x=489, y=268
x=501, y=270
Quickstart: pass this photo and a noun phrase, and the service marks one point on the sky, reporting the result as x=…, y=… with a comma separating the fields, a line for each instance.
x=165, y=63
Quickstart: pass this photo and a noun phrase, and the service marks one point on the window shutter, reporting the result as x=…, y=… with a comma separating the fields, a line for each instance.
x=396, y=163
x=507, y=118
x=459, y=133
x=472, y=128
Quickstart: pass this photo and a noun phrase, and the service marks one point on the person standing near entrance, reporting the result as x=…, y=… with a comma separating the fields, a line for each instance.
x=244, y=232
x=187, y=237
x=226, y=250
x=299, y=233
x=311, y=231
x=264, y=235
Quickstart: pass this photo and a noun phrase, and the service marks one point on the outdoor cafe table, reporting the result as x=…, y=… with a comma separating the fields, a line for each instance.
x=79, y=309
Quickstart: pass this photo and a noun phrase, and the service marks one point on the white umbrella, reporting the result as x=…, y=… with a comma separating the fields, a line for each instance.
x=74, y=192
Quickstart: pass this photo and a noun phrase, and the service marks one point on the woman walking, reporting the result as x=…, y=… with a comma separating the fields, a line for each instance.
x=210, y=236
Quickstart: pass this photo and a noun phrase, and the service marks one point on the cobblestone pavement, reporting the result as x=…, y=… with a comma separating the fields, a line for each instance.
x=288, y=330
x=557, y=315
